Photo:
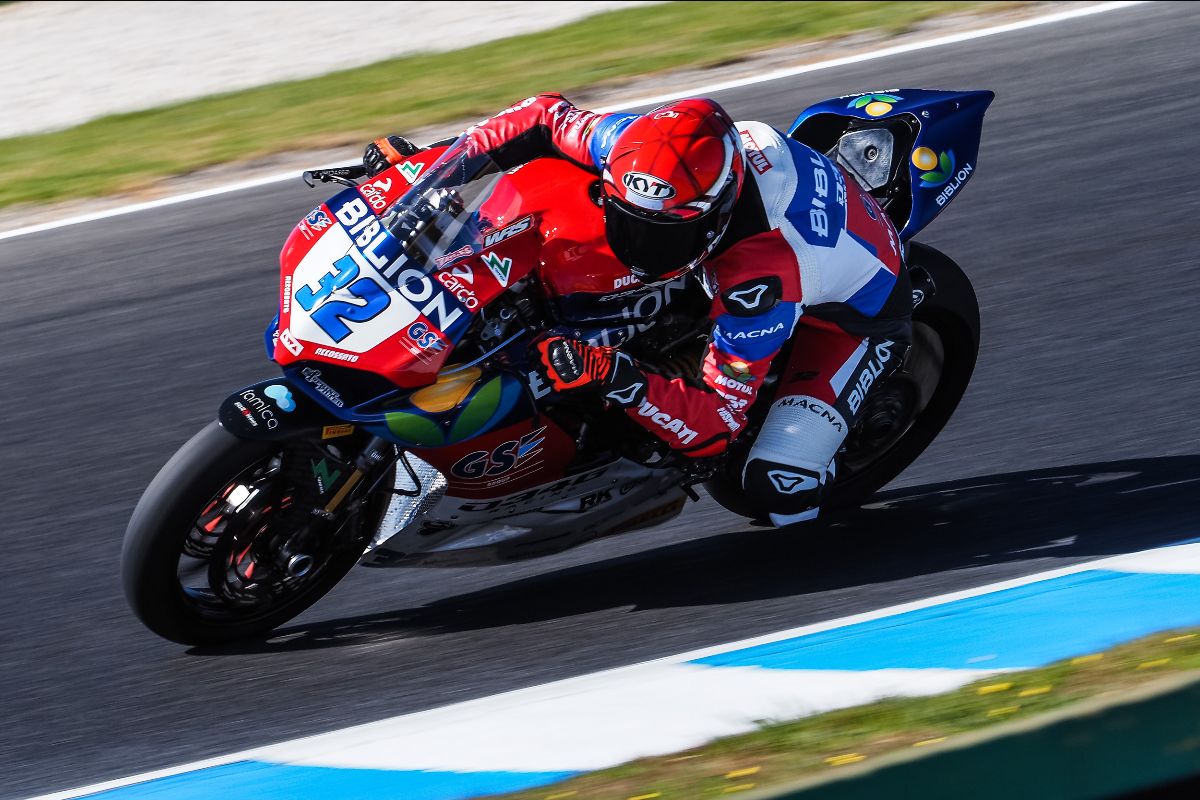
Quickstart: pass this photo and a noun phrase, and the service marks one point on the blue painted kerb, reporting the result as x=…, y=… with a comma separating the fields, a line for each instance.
x=1027, y=626
x=257, y=780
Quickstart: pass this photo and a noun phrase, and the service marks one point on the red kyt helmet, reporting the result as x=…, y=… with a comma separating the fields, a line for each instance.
x=670, y=182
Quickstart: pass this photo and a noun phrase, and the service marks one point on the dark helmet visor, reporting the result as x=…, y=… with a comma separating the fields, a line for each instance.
x=653, y=245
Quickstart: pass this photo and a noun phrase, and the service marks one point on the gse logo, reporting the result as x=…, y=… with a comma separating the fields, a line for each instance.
x=484, y=464
x=648, y=186
x=426, y=339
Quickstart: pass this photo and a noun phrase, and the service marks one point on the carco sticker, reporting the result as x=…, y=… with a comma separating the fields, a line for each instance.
x=375, y=193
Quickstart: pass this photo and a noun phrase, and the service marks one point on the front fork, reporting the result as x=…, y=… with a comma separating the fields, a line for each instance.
x=325, y=477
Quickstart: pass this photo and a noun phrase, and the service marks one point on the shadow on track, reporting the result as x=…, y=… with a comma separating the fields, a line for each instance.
x=1079, y=512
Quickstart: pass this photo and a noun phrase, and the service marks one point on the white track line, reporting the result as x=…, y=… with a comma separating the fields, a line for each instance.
x=697, y=90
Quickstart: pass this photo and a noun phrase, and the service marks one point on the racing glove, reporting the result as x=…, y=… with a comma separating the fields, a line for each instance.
x=386, y=152
x=571, y=365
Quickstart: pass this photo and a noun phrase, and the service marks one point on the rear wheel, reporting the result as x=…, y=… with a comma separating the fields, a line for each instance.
x=233, y=537
x=904, y=416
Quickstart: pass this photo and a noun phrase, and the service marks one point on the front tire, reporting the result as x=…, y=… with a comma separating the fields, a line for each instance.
x=204, y=559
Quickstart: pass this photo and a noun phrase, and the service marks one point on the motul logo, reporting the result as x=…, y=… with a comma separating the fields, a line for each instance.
x=648, y=186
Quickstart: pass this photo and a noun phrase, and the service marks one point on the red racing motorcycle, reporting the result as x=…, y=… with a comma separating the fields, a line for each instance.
x=409, y=427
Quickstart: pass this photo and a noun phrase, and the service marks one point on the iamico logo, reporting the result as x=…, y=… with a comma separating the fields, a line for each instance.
x=648, y=186
x=282, y=397
x=256, y=405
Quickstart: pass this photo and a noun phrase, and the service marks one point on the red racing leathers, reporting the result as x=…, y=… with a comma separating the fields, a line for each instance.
x=806, y=247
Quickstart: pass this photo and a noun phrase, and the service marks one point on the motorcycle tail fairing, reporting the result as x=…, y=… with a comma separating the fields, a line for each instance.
x=914, y=149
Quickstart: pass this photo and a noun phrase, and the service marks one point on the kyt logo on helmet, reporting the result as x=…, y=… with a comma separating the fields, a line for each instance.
x=671, y=180
x=648, y=186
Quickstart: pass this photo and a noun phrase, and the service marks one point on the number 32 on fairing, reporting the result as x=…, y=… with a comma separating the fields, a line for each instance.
x=332, y=315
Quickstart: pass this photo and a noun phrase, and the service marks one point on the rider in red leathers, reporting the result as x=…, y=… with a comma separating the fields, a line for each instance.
x=797, y=252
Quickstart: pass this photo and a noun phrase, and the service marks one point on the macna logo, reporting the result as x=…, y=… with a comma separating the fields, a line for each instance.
x=626, y=396
x=500, y=267
x=748, y=298
x=756, y=334
x=791, y=482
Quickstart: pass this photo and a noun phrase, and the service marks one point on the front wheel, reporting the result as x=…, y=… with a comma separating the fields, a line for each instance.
x=234, y=537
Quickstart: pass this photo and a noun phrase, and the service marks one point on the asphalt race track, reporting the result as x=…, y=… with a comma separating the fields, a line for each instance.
x=1078, y=438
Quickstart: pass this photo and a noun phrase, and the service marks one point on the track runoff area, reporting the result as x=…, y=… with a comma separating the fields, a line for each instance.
x=540, y=735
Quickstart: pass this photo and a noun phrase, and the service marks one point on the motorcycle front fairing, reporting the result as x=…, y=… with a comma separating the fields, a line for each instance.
x=384, y=279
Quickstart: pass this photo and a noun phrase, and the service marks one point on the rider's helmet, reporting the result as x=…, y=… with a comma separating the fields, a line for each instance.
x=670, y=183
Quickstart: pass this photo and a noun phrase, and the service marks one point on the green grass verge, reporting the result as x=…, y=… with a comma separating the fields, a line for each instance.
x=783, y=752
x=130, y=151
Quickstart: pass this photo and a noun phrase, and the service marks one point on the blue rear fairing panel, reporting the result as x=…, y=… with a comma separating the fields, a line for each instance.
x=944, y=155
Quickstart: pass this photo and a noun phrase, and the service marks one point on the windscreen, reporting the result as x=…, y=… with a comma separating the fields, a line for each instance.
x=437, y=219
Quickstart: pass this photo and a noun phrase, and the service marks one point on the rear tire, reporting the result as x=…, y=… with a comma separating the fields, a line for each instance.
x=166, y=529
x=941, y=359
x=947, y=322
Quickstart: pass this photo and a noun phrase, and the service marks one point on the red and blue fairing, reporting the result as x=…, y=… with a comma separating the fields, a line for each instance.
x=378, y=287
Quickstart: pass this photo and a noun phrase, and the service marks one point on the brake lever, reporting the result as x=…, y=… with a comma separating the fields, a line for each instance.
x=343, y=175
